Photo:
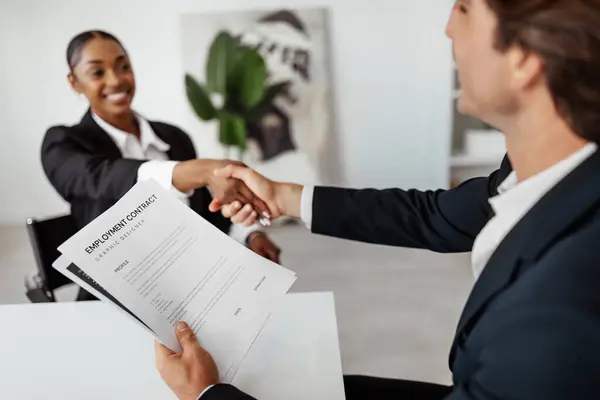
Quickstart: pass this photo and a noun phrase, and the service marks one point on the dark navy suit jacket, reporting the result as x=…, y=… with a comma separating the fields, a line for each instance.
x=531, y=326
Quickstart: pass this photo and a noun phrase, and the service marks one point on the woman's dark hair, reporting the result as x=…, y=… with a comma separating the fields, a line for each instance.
x=77, y=44
x=566, y=35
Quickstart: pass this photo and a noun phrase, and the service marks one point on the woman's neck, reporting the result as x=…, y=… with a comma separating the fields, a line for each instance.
x=125, y=122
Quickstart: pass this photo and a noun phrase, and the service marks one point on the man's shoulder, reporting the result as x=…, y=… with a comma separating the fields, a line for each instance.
x=580, y=243
x=570, y=267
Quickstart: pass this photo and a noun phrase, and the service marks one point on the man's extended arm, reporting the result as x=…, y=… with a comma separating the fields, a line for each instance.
x=442, y=221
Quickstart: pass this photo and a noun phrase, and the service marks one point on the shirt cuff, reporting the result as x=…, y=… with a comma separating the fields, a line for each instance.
x=204, y=391
x=161, y=172
x=240, y=233
x=306, y=205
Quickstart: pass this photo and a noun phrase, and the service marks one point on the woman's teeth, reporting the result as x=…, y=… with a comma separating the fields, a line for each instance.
x=116, y=96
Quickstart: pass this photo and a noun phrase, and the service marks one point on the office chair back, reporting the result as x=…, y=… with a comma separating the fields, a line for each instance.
x=45, y=236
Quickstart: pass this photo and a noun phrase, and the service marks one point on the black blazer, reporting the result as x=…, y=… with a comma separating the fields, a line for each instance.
x=531, y=326
x=87, y=169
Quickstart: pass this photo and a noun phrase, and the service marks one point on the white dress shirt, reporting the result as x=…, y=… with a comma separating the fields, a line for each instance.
x=513, y=201
x=158, y=167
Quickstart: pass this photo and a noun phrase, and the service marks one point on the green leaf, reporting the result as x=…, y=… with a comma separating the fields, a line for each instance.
x=236, y=76
x=270, y=93
x=221, y=60
x=232, y=131
x=247, y=79
x=254, y=78
x=199, y=99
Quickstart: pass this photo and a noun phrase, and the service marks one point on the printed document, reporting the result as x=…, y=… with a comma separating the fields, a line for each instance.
x=160, y=262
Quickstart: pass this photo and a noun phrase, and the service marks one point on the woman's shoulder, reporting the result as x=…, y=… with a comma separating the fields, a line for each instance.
x=76, y=134
x=62, y=131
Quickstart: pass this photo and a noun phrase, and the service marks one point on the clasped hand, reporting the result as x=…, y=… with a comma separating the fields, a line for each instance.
x=279, y=198
x=193, y=174
x=227, y=190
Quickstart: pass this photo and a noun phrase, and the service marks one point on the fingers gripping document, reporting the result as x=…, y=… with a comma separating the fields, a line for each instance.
x=160, y=262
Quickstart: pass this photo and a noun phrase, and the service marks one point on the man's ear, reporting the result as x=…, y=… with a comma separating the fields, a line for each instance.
x=74, y=83
x=527, y=67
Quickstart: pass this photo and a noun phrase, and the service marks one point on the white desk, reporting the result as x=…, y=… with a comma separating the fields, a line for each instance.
x=92, y=351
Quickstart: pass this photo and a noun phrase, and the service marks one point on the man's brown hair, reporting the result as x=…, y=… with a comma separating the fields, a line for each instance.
x=566, y=35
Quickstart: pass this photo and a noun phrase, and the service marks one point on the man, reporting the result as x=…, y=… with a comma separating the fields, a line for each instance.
x=531, y=326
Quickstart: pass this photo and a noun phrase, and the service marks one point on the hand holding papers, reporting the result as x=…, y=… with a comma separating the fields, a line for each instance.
x=160, y=262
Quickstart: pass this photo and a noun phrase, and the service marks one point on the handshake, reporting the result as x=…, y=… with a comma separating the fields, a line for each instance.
x=245, y=196
x=241, y=194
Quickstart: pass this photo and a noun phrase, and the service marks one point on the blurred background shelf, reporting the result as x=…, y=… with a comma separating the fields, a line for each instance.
x=477, y=148
x=475, y=160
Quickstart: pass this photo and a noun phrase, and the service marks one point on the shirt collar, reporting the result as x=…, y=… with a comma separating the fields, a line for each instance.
x=517, y=197
x=147, y=136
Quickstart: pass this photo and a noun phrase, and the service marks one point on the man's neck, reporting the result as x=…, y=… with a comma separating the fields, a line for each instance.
x=535, y=144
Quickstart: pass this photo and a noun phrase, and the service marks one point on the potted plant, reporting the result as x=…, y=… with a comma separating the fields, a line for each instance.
x=235, y=92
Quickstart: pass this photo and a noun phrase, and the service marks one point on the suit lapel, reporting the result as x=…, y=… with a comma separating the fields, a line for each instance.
x=566, y=204
x=98, y=136
x=174, y=152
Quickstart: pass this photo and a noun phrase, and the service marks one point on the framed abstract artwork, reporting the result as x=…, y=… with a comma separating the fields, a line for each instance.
x=287, y=141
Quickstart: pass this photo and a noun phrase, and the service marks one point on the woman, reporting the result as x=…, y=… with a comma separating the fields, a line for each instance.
x=94, y=163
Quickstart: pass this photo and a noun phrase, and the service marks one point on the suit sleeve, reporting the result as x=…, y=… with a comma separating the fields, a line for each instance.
x=225, y=392
x=77, y=173
x=202, y=196
x=442, y=221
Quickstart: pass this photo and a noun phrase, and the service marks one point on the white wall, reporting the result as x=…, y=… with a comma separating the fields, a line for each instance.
x=391, y=77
